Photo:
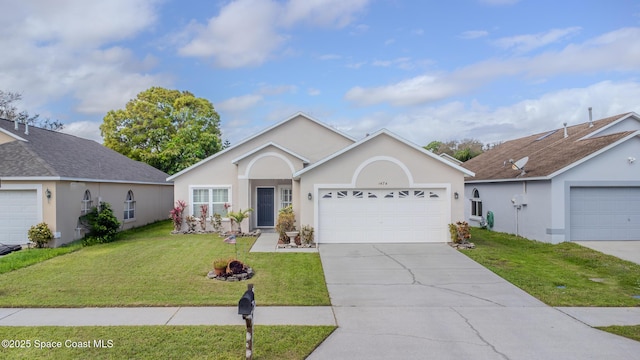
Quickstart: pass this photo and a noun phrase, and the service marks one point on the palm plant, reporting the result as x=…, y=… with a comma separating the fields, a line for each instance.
x=238, y=216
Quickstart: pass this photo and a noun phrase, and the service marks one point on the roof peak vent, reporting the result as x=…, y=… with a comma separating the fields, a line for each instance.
x=590, y=117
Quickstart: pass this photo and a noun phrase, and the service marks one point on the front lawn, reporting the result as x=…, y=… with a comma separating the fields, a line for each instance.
x=150, y=267
x=162, y=342
x=565, y=274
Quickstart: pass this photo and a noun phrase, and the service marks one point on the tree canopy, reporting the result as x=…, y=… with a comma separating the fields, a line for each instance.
x=167, y=129
x=462, y=150
x=9, y=111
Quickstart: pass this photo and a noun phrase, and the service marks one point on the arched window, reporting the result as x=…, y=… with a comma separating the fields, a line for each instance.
x=129, y=207
x=476, y=203
x=87, y=203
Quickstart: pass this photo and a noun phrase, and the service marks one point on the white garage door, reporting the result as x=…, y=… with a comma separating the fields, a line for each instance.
x=605, y=213
x=382, y=216
x=18, y=211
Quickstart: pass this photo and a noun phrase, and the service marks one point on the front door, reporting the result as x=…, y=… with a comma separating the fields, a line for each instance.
x=266, y=208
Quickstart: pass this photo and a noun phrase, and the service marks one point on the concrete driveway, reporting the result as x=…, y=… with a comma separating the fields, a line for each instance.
x=427, y=301
x=626, y=250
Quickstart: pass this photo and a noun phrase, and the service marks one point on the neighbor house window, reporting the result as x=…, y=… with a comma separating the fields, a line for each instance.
x=286, y=196
x=87, y=203
x=129, y=206
x=216, y=199
x=476, y=203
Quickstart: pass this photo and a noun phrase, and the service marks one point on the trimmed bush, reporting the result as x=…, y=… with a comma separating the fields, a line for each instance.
x=40, y=234
x=103, y=225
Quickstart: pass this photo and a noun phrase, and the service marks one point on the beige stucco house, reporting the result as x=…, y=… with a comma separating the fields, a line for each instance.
x=48, y=176
x=378, y=189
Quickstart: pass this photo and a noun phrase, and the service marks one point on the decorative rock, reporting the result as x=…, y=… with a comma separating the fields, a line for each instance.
x=246, y=275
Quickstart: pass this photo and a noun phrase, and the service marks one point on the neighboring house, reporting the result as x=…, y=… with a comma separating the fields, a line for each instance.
x=379, y=189
x=579, y=183
x=48, y=176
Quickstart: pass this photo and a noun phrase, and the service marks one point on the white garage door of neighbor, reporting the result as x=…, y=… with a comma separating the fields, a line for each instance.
x=18, y=212
x=382, y=216
x=605, y=213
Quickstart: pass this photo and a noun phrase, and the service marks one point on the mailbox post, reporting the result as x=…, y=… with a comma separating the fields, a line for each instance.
x=246, y=305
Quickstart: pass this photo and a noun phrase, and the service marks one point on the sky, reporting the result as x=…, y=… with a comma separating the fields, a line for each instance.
x=490, y=70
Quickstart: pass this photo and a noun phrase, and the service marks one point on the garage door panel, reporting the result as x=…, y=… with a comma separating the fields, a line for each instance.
x=381, y=216
x=605, y=213
x=18, y=212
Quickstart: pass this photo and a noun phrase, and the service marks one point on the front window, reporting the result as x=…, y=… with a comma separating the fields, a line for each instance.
x=129, y=206
x=476, y=203
x=286, y=196
x=216, y=199
x=87, y=203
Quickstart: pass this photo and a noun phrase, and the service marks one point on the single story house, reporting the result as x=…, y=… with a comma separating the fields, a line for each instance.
x=580, y=182
x=378, y=189
x=52, y=177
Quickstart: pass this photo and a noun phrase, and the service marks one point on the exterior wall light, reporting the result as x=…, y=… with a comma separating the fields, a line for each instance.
x=47, y=193
x=309, y=196
x=455, y=195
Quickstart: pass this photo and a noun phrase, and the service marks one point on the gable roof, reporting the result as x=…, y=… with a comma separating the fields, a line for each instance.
x=550, y=153
x=219, y=153
x=50, y=155
x=373, y=136
x=270, y=143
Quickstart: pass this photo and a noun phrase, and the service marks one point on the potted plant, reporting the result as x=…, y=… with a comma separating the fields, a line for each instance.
x=286, y=223
x=220, y=266
x=40, y=234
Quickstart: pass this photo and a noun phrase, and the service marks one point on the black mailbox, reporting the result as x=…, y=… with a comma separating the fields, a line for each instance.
x=246, y=303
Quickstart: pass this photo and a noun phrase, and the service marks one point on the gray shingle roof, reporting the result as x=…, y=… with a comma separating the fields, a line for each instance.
x=49, y=153
x=548, y=152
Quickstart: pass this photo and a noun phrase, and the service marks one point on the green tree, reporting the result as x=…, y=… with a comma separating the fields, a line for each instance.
x=167, y=129
x=462, y=150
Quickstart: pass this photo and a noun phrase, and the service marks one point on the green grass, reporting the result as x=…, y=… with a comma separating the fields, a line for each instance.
x=565, y=274
x=631, y=332
x=150, y=267
x=166, y=342
x=23, y=258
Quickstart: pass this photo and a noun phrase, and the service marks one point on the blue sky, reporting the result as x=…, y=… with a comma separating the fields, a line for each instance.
x=492, y=70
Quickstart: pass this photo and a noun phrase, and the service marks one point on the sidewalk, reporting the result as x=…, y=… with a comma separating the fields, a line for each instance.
x=267, y=315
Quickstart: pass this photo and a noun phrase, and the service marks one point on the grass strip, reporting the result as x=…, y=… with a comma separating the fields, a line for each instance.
x=161, y=342
x=564, y=274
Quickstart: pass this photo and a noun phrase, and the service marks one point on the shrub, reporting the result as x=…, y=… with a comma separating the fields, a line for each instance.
x=286, y=222
x=103, y=225
x=40, y=234
x=306, y=233
x=176, y=214
x=460, y=232
x=216, y=222
x=204, y=212
x=220, y=263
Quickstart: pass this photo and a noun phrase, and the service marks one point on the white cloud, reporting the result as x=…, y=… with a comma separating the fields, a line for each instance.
x=528, y=42
x=313, y=92
x=248, y=32
x=330, y=57
x=404, y=63
x=473, y=34
x=328, y=13
x=84, y=129
x=65, y=48
x=239, y=103
x=458, y=120
x=615, y=51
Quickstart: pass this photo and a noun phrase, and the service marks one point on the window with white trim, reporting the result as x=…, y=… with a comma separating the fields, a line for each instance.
x=216, y=199
x=129, y=206
x=87, y=203
x=476, y=203
x=286, y=197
